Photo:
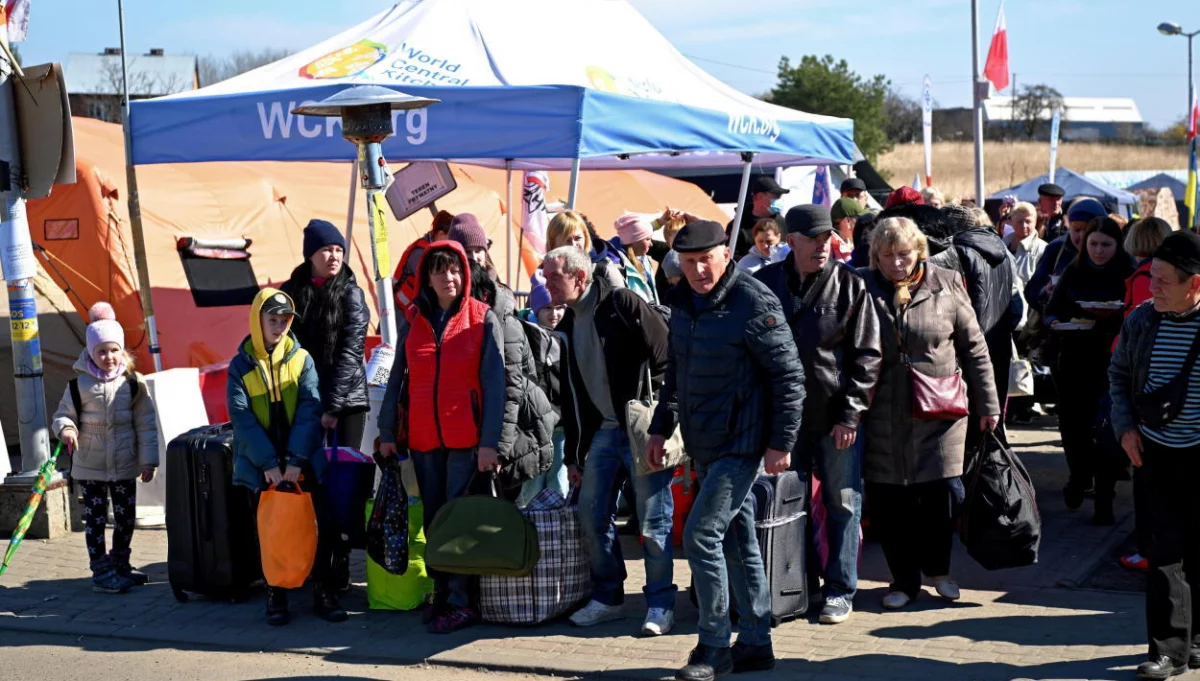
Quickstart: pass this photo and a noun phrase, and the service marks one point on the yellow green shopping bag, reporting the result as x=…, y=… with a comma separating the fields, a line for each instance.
x=410, y=590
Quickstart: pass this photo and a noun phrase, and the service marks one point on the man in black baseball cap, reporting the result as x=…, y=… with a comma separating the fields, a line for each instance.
x=734, y=375
x=764, y=191
x=1050, y=216
x=1161, y=437
x=836, y=331
x=854, y=188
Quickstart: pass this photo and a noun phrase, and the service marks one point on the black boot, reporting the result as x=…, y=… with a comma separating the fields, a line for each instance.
x=1073, y=496
x=326, y=605
x=105, y=578
x=705, y=664
x=752, y=658
x=1103, y=514
x=120, y=563
x=1160, y=667
x=340, y=572
x=277, y=606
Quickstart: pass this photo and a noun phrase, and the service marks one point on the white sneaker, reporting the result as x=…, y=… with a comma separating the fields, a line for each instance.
x=946, y=588
x=659, y=621
x=595, y=613
x=896, y=600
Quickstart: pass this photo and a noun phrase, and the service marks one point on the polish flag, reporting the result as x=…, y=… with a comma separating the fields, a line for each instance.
x=16, y=14
x=1193, y=123
x=996, y=68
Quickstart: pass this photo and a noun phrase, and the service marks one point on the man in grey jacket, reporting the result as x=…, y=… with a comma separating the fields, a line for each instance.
x=1155, y=390
x=735, y=387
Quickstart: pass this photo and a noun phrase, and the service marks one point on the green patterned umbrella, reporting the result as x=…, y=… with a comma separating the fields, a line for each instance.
x=35, y=500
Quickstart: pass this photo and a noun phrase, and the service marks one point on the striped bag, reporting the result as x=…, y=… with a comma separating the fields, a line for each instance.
x=561, y=579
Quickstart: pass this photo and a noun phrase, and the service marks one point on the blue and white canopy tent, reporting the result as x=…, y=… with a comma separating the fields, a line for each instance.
x=524, y=84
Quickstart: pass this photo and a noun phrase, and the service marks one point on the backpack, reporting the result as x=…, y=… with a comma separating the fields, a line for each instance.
x=549, y=359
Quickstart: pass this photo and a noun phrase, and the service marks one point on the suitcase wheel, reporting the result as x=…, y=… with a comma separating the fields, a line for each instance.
x=180, y=595
x=776, y=621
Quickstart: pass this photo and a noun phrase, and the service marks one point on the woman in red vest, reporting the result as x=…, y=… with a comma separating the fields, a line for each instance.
x=449, y=411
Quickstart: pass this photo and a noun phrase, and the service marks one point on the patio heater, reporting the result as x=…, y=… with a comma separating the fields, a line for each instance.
x=366, y=112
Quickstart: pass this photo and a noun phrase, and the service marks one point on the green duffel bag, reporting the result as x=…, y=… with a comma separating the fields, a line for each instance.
x=481, y=535
x=412, y=589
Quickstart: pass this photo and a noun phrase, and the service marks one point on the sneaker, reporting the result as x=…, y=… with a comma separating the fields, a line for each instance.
x=896, y=600
x=108, y=581
x=453, y=620
x=705, y=664
x=837, y=609
x=595, y=613
x=120, y=562
x=946, y=588
x=1135, y=561
x=659, y=621
x=752, y=658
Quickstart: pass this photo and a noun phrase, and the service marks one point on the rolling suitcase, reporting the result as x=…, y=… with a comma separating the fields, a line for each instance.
x=212, y=540
x=780, y=517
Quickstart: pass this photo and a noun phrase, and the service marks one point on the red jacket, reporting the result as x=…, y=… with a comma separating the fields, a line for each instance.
x=444, y=395
x=405, y=279
x=1137, y=290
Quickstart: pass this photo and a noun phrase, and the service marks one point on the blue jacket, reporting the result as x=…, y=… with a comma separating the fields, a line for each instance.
x=734, y=381
x=1057, y=256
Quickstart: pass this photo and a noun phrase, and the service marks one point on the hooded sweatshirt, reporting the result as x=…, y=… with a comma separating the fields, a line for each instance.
x=274, y=403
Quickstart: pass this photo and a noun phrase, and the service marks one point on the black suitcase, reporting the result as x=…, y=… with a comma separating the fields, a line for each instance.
x=781, y=518
x=212, y=538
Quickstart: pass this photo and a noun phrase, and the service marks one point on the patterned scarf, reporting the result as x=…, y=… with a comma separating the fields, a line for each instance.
x=904, y=287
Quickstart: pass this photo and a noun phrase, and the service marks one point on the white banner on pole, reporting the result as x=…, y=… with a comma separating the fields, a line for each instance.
x=1054, y=124
x=535, y=220
x=927, y=128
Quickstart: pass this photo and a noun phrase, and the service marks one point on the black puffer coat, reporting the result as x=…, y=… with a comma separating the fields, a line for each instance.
x=526, y=439
x=989, y=276
x=734, y=382
x=343, y=382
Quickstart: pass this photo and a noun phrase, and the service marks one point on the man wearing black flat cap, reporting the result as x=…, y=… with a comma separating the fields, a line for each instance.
x=1049, y=208
x=1155, y=389
x=854, y=188
x=836, y=331
x=736, y=382
x=764, y=191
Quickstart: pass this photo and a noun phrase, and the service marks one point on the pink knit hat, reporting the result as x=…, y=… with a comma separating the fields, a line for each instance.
x=104, y=328
x=632, y=227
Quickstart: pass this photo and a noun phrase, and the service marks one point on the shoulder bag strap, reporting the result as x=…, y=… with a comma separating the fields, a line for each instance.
x=77, y=402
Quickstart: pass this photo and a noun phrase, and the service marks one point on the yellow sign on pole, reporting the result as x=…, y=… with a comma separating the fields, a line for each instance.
x=379, y=235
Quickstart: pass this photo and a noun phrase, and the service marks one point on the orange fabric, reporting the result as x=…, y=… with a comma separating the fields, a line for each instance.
x=84, y=230
x=287, y=536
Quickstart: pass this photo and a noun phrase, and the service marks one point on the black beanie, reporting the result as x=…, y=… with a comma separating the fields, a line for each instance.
x=318, y=234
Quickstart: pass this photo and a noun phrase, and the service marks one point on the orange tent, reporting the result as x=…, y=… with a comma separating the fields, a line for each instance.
x=84, y=233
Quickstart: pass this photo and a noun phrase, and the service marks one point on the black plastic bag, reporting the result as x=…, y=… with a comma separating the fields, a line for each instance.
x=1001, y=525
x=387, y=527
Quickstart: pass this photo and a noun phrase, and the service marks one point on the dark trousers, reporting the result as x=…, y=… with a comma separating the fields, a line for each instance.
x=333, y=548
x=1082, y=379
x=1141, y=515
x=95, y=517
x=916, y=528
x=1172, y=510
x=443, y=476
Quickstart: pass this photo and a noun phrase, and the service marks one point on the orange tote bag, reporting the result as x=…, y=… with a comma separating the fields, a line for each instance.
x=287, y=535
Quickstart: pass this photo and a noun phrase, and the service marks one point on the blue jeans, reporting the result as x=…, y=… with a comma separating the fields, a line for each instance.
x=722, y=548
x=840, y=472
x=609, y=463
x=443, y=475
x=555, y=478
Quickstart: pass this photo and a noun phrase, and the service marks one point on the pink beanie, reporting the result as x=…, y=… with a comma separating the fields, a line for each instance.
x=632, y=227
x=104, y=327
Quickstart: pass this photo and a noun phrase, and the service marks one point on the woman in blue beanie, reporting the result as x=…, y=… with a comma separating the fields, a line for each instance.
x=332, y=327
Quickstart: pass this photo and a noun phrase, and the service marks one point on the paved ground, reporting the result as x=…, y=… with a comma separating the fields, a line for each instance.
x=1017, y=624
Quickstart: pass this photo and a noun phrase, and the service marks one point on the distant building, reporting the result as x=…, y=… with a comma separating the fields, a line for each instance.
x=94, y=80
x=1084, y=119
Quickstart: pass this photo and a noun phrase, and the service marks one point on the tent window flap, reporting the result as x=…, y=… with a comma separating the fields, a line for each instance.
x=219, y=273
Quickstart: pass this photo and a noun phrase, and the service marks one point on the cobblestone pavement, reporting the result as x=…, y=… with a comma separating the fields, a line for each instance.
x=1017, y=624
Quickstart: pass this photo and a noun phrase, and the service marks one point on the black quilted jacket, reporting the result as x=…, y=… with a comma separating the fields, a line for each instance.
x=734, y=382
x=344, y=381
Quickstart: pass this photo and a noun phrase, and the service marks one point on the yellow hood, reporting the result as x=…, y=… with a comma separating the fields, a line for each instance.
x=258, y=347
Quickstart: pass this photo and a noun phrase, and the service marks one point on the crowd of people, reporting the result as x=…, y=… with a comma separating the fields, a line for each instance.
x=871, y=350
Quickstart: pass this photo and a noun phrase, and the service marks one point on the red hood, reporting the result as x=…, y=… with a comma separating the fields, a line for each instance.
x=462, y=256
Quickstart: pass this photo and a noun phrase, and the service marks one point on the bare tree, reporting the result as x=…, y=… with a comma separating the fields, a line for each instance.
x=1032, y=109
x=903, y=117
x=142, y=84
x=215, y=69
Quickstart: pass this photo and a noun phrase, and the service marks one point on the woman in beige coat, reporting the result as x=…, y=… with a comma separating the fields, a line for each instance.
x=106, y=417
x=912, y=462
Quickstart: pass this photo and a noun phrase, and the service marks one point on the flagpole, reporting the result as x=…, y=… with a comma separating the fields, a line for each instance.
x=975, y=84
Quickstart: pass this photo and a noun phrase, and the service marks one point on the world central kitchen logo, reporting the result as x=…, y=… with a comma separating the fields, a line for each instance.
x=346, y=62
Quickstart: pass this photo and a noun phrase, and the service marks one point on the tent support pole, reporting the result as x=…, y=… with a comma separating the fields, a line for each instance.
x=573, y=192
x=135, y=208
x=508, y=220
x=747, y=161
x=350, y=208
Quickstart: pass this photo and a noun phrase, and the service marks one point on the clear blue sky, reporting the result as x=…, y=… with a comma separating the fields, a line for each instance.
x=1081, y=47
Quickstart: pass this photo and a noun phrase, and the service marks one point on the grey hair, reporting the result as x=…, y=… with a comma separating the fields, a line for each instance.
x=574, y=261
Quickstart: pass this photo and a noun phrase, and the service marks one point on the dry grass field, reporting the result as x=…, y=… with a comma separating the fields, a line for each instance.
x=1010, y=163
